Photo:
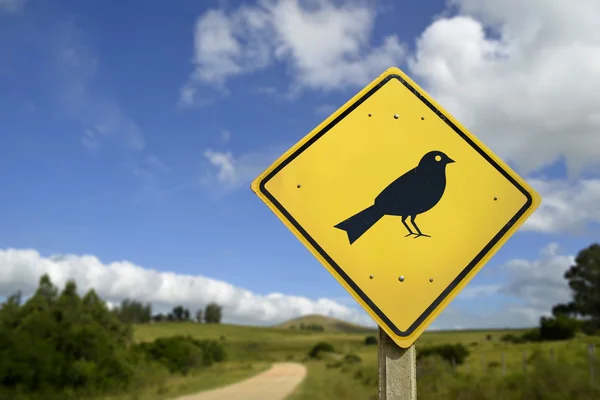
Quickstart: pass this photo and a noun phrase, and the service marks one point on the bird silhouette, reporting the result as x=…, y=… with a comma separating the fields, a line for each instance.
x=415, y=192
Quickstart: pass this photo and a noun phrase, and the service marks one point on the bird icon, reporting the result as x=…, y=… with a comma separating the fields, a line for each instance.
x=415, y=192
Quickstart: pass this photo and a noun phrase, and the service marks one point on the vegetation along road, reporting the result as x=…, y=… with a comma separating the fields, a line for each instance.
x=275, y=384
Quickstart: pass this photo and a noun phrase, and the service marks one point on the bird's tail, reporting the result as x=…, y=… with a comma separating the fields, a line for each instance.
x=358, y=224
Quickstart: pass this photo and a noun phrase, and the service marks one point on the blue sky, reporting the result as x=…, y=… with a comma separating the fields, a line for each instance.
x=129, y=135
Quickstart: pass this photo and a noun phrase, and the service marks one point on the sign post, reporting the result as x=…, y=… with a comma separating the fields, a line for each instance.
x=401, y=204
x=397, y=370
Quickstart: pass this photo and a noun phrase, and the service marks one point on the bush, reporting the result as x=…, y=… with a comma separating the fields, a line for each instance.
x=370, y=340
x=532, y=335
x=511, y=338
x=560, y=327
x=352, y=359
x=321, y=347
x=488, y=337
x=456, y=353
x=180, y=354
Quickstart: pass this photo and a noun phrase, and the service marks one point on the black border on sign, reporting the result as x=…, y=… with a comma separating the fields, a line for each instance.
x=336, y=267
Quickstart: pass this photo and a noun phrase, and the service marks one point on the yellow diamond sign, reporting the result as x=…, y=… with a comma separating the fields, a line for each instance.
x=398, y=201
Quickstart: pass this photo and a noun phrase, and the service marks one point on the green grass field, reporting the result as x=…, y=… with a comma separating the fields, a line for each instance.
x=327, y=379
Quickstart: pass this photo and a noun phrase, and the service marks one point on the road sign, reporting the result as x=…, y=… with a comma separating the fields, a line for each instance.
x=398, y=201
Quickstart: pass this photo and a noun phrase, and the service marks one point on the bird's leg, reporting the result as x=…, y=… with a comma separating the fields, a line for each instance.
x=412, y=220
x=407, y=227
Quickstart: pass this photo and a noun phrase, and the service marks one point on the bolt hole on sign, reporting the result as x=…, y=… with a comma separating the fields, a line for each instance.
x=398, y=200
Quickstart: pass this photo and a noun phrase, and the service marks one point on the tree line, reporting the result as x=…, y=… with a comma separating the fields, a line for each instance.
x=60, y=345
x=135, y=312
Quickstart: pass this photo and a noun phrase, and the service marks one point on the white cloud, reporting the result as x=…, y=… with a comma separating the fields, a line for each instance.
x=540, y=283
x=529, y=91
x=225, y=165
x=325, y=44
x=529, y=291
x=231, y=172
x=476, y=291
x=21, y=270
x=567, y=206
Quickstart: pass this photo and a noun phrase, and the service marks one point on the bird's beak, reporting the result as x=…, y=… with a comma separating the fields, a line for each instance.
x=450, y=161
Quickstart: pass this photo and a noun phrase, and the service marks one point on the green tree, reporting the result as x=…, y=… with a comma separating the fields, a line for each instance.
x=567, y=309
x=61, y=343
x=213, y=313
x=180, y=313
x=134, y=312
x=560, y=327
x=584, y=281
x=199, y=316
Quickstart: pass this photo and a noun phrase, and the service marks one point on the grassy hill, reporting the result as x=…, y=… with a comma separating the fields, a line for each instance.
x=329, y=324
x=482, y=372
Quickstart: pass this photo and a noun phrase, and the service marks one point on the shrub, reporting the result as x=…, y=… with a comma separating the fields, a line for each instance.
x=180, y=354
x=456, y=353
x=532, y=335
x=321, y=347
x=560, y=327
x=488, y=337
x=370, y=340
x=511, y=338
x=352, y=359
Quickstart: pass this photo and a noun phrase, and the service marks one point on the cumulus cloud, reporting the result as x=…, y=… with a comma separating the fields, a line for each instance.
x=540, y=283
x=229, y=172
x=225, y=165
x=21, y=270
x=324, y=44
x=567, y=206
x=529, y=290
x=522, y=75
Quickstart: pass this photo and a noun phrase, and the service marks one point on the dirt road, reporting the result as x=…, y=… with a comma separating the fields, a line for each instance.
x=275, y=384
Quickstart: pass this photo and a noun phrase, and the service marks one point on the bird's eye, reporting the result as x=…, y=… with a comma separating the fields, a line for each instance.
x=438, y=158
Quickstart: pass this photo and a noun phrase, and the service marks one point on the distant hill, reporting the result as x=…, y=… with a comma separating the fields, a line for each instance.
x=329, y=325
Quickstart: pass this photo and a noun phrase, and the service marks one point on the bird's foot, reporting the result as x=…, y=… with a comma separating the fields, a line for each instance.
x=412, y=233
x=421, y=234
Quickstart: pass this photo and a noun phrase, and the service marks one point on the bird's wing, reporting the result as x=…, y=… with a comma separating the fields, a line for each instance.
x=404, y=185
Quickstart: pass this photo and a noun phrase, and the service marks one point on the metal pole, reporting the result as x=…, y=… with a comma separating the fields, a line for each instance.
x=397, y=370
